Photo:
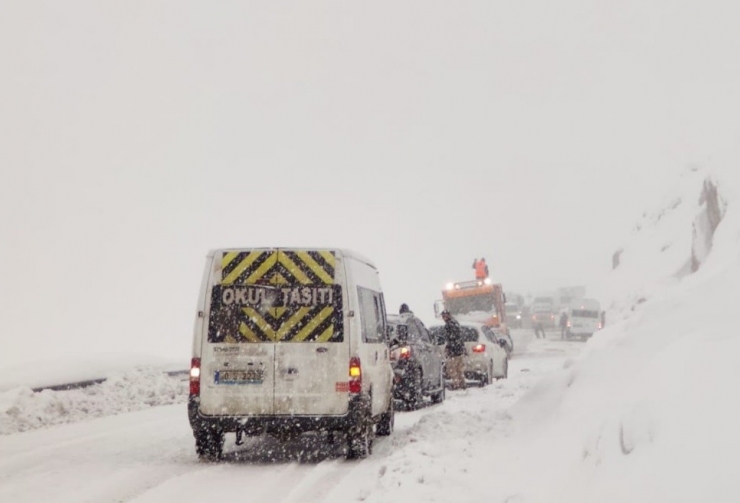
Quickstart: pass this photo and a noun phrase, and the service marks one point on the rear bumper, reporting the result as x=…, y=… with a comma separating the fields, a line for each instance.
x=476, y=370
x=472, y=372
x=280, y=425
x=581, y=333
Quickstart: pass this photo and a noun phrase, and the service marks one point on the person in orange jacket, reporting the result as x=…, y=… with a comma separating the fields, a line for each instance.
x=481, y=269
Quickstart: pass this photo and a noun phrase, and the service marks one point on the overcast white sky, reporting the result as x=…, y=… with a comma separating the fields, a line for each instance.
x=134, y=136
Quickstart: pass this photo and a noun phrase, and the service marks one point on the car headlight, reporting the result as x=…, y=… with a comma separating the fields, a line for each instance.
x=518, y=316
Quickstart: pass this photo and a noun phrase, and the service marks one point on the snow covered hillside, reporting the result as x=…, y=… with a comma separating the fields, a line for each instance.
x=668, y=242
x=649, y=411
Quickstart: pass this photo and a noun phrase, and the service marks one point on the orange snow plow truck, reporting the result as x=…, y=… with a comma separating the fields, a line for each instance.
x=480, y=301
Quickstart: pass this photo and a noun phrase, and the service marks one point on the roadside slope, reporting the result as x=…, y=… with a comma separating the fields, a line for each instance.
x=647, y=412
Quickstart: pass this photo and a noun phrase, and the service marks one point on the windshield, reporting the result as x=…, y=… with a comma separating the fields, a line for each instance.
x=584, y=313
x=413, y=333
x=463, y=305
x=512, y=309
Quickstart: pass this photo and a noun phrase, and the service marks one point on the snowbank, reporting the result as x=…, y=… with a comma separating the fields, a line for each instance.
x=649, y=411
x=48, y=373
x=22, y=410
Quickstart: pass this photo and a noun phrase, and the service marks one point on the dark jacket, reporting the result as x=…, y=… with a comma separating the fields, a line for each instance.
x=455, y=342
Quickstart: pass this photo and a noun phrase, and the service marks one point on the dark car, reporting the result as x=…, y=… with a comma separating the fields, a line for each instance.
x=418, y=363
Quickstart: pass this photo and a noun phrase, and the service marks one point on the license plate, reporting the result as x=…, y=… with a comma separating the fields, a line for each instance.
x=251, y=376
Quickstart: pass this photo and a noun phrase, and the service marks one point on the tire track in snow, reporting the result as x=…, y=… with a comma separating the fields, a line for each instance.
x=319, y=482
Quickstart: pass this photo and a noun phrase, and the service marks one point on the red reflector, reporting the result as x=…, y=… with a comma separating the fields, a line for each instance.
x=405, y=353
x=195, y=377
x=355, y=386
x=355, y=375
x=480, y=348
x=194, y=388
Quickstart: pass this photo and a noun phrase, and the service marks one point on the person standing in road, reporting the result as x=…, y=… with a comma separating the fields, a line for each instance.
x=539, y=330
x=455, y=351
x=563, y=324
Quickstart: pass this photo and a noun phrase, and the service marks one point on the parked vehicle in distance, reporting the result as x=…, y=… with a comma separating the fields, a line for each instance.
x=275, y=351
x=418, y=362
x=485, y=357
x=584, y=318
x=543, y=314
x=514, y=315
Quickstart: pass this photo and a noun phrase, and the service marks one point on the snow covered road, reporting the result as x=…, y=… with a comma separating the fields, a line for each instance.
x=148, y=456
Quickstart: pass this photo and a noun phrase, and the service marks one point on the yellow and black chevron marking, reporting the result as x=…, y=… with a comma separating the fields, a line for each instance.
x=247, y=267
x=302, y=324
x=297, y=324
x=255, y=313
x=278, y=267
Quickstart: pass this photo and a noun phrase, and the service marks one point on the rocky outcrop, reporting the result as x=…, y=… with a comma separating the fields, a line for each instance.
x=706, y=223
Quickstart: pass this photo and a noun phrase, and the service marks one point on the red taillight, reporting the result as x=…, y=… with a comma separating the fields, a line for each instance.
x=195, y=377
x=480, y=348
x=403, y=353
x=355, y=375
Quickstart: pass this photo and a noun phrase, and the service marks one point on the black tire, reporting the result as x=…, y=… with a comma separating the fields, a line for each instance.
x=416, y=401
x=387, y=421
x=485, y=379
x=360, y=440
x=440, y=395
x=209, y=444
